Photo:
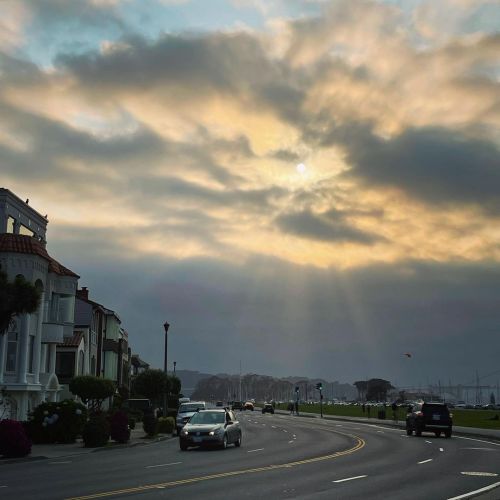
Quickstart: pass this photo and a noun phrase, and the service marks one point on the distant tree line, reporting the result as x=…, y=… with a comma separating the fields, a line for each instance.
x=375, y=389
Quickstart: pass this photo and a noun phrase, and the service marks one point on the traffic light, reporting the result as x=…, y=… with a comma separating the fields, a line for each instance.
x=296, y=388
x=319, y=386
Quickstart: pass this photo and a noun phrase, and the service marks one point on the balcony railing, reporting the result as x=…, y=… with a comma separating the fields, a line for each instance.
x=52, y=333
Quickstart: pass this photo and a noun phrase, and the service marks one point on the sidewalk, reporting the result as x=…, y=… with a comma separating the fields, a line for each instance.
x=43, y=451
x=476, y=432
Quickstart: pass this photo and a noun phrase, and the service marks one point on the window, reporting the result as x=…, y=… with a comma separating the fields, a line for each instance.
x=11, y=352
x=65, y=365
x=10, y=224
x=30, y=353
x=26, y=231
x=92, y=366
x=81, y=359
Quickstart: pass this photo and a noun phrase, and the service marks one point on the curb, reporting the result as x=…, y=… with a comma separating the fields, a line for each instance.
x=118, y=446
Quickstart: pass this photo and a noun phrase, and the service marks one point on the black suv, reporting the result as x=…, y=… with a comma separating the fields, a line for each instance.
x=429, y=417
x=268, y=408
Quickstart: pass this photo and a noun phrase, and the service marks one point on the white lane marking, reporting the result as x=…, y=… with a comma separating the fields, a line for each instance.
x=294, y=436
x=478, y=440
x=381, y=432
x=162, y=465
x=273, y=426
x=485, y=474
x=65, y=462
x=284, y=430
x=289, y=442
x=425, y=461
x=471, y=494
x=258, y=449
x=338, y=425
x=430, y=442
x=441, y=449
x=349, y=479
x=3, y=486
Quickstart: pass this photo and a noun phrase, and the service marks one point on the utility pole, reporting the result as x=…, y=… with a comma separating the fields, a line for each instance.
x=240, y=379
x=165, y=368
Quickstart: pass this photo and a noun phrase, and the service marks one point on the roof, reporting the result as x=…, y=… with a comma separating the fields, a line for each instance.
x=20, y=243
x=73, y=341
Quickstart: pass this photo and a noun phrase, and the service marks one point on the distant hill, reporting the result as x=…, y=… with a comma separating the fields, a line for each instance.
x=189, y=379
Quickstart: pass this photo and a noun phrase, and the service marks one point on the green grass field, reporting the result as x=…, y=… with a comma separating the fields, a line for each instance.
x=463, y=418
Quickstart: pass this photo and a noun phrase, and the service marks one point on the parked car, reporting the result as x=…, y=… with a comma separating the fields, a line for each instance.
x=186, y=411
x=248, y=406
x=237, y=405
x=429, y=417
x=219, y=404
x=216, y=427
x=268, y=408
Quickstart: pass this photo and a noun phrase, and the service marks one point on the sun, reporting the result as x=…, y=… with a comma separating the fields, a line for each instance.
x=301, y=168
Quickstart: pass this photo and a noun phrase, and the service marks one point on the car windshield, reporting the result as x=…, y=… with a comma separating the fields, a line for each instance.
x=208, y=417
x=184, y=408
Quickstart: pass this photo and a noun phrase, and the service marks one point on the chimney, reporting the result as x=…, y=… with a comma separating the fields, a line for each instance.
x=83, y=293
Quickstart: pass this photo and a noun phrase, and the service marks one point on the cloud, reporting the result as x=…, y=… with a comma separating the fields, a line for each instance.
x=324, y=227
x=435, y=165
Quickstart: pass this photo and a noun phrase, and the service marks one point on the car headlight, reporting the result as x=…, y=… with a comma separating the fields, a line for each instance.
x=185, y=433
x=215, y=432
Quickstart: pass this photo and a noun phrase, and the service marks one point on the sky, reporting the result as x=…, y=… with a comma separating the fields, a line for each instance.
x=310, y=187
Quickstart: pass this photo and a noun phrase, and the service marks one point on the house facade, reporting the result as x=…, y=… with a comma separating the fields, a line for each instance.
x=28, y=349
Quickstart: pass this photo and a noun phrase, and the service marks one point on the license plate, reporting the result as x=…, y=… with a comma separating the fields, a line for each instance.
x=197, y=439
x=436, y=417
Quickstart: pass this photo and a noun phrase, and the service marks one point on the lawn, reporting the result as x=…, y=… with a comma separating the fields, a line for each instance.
x=483, y=419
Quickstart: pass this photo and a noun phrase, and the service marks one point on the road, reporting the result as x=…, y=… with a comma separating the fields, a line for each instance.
x=281, y=457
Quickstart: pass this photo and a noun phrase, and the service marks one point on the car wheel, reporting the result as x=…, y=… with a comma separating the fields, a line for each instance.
x=263, y=411
x=183, y=446
x=409, y=432
x=224, y=442
x=237, y=443
x=437, y=434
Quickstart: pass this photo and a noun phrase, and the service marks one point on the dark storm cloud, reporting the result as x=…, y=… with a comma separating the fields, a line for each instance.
x=338, y=324
x=285, y=155
x=176, y=188
x=323, y=227
x=434, y=164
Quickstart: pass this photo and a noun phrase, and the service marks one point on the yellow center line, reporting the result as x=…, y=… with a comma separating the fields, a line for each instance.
x=360, y=443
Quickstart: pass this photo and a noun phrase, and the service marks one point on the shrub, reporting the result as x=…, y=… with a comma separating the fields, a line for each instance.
x=131, y=422
x=96, y=431
x=13, y=439
x=166, y=425
x=93, y=390
x=149, y=423
x=119, y=427
x=57, y=422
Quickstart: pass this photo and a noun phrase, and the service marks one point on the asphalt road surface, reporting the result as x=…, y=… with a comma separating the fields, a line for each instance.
x=281, y=457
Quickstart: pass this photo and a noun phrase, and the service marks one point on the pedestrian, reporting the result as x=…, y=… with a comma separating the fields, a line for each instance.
x=363, y=407
x=394, y=411
x=290, y=407
x=368, y=410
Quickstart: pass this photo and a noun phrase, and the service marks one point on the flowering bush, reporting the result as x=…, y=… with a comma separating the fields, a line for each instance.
x=149, y=423
x=13, y=439
x=119, y=427
x=57, y=422
x=96, y=431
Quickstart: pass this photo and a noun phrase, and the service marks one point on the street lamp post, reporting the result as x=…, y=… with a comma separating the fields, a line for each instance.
x=165, y=369
x=175, y=363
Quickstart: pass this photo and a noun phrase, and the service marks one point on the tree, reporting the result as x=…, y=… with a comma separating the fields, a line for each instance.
x=93, y=390
x=151, y=384
x=377, y=389
x=361, y=386
x=16, y=297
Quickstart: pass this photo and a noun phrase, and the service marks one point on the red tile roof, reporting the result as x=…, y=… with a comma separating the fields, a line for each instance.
x=20, y=243
x=73, y=341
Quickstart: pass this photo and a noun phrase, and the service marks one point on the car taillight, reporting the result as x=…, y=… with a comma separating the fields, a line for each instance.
x=419, y=414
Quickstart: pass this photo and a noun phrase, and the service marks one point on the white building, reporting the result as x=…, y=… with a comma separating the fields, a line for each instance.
x=28, y=349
